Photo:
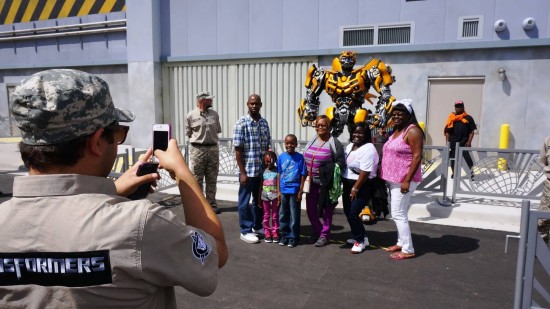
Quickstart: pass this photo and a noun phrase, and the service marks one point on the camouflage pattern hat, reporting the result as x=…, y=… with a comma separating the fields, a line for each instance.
x=204, y=95
x=59, y=105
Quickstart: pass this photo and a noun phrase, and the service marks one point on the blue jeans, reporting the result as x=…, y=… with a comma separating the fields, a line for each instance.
x=250, y=216
x=352, y=209
x=289, y=217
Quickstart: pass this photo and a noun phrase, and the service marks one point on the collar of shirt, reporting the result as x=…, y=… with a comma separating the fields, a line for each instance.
x=61, y=184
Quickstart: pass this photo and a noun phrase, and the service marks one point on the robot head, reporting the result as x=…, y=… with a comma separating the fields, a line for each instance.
x=347, y=60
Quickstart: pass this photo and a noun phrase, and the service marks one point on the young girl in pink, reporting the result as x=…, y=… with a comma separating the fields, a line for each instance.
x=268, y=195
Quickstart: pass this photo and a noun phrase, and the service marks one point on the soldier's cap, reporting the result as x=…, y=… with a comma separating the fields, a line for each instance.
x=60, y=105
x=459, y=103
x=204, y=95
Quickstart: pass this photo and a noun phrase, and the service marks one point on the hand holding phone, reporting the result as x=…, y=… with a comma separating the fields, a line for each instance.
x=161, y=136
x=143, y=190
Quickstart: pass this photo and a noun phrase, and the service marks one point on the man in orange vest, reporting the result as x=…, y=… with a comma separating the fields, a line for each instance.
x=460, y=128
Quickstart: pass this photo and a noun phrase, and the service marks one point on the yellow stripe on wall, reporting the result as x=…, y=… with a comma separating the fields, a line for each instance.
x=108, y=6
x=66, y=9
x=53, y=9
x=28, y=12
x=13, y=10
x=86, y=7
x=2, y=3
x=48, y=7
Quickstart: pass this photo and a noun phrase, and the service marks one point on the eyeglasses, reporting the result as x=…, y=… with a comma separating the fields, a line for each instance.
x=321, y=126
x=120, y=132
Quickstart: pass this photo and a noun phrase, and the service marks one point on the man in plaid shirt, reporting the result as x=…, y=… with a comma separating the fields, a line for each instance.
x=251, y=138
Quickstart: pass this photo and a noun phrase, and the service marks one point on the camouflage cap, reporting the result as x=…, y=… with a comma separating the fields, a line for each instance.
x=204, y=95
x=59, y=105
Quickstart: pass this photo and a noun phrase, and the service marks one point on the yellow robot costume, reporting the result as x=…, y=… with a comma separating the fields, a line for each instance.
x=348, y=88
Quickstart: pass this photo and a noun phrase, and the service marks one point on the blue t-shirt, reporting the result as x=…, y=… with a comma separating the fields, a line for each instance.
x=291, y=167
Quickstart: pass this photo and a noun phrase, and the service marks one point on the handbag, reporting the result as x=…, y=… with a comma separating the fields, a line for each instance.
x=307, y=184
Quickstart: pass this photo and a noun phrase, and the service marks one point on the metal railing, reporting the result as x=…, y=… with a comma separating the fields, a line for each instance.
x=63, y=31
x=531, y=249
x=508, y=173
x=495, y=172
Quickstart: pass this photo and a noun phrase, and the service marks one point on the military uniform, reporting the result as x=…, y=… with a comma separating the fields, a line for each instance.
x=203, y=129
x=544, y=224
x=141, y=250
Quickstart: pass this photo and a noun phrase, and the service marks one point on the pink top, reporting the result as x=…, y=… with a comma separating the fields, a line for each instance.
x=396, y=160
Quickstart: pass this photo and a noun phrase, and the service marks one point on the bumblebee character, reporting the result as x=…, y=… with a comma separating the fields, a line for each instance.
x=348, y=88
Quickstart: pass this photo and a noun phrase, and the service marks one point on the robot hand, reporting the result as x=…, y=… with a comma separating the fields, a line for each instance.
x=307, y=112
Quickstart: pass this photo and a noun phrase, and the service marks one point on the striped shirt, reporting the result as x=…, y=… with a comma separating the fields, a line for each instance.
x=254, y=138
x=319, y=152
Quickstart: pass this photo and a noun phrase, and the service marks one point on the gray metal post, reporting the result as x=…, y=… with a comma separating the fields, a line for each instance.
x=444, y=201
x=520, y=266
x=456, y=173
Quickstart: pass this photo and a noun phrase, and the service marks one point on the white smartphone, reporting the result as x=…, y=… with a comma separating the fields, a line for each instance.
x=161, y=136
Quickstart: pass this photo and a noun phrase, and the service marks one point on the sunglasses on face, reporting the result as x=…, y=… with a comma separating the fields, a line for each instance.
x=120, y=132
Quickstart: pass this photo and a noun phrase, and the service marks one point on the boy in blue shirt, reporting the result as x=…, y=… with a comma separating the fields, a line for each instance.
x=292, y=173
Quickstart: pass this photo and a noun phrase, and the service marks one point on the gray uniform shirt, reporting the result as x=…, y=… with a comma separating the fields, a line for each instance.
x=203, y=127
x=68, y=241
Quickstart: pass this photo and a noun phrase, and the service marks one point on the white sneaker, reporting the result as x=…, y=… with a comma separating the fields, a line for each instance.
x=258, y=232
x=351, y=241
x=358, y=247
x=250, y=238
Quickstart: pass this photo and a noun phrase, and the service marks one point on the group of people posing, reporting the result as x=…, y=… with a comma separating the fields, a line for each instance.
x=323, y=172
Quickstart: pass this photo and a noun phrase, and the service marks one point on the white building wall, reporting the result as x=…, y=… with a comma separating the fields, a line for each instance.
x=279, y=82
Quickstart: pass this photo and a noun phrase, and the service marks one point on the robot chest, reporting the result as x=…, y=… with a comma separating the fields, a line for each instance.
x=345, y=85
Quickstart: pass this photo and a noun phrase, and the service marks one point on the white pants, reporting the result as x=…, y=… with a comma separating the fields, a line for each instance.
x=399, y=203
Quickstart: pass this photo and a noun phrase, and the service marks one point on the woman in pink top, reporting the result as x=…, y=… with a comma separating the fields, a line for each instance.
x=401, y=158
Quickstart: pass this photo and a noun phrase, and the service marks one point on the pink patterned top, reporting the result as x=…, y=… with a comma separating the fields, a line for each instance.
x=396, y=160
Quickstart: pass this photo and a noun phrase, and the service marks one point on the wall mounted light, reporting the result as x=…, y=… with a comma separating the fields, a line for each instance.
x=501, y=74
x=500, y=25
x=528, y=23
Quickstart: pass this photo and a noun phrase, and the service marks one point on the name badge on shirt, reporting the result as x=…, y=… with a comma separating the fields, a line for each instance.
x=72, y=269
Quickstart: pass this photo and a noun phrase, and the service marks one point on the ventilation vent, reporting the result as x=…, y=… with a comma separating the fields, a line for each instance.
x=394, y=35
x=359, y=37
x=377, y=35
x=470, y=27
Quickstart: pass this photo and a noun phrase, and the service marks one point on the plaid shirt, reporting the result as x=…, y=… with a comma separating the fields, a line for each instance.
x=254, y=137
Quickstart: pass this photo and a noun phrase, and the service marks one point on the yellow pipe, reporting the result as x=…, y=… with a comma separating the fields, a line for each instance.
x=503, y=144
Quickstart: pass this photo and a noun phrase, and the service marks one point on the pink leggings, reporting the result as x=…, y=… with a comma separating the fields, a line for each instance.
x=271, y=209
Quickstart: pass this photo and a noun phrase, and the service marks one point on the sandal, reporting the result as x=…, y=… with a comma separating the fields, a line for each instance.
x=402, y=255
x=394, y=248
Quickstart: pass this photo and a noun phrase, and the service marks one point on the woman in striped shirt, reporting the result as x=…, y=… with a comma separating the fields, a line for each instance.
x=320, y=151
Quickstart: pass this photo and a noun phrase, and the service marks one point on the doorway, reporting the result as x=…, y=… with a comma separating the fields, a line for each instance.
x=442, y=93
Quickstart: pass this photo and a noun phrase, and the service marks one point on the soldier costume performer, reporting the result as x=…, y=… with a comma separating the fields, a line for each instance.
x=348, y=89
x=69, y=237
x=202, y=128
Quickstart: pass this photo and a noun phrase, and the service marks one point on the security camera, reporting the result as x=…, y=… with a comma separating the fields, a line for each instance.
x=528, y=23
x=500, y=25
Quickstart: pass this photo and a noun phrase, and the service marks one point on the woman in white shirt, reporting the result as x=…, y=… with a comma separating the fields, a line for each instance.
x=362, y=163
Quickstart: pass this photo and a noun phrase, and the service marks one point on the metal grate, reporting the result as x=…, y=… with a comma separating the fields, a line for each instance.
x=358, y=37
x=470, y=28
x=394, y=35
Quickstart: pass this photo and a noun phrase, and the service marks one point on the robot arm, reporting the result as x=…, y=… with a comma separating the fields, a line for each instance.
x=309, y=106
x=380, y=76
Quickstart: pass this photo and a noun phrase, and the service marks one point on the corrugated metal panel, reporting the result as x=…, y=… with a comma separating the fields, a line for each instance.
x=280, y=83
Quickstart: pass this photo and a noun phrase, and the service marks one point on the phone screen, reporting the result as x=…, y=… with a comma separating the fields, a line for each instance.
x=160, y=140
